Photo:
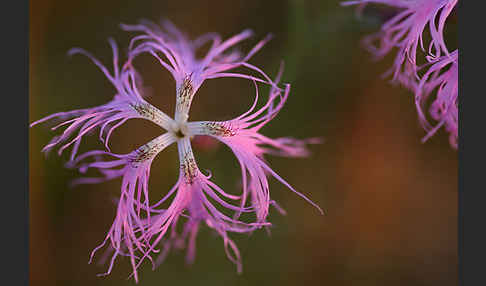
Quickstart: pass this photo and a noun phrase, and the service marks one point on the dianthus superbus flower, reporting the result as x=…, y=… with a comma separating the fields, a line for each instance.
x=142, y=230
x=406, y=32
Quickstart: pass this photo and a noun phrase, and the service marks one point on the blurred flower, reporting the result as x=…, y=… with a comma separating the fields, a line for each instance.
x=205, y=143
x=140, y=227
x=405, y=31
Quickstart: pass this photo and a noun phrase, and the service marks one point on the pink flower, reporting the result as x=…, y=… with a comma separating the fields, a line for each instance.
x=405, y=31
x=140, y=229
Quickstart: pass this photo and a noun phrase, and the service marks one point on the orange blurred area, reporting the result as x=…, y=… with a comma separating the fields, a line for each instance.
x=391, y=201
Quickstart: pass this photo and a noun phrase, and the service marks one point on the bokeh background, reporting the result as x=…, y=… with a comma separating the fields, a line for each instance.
x=391, y=201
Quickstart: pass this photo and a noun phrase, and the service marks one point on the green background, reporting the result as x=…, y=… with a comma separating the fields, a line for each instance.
x=391, y=201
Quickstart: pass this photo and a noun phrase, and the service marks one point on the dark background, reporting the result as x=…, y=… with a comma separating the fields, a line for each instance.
x=391, y=201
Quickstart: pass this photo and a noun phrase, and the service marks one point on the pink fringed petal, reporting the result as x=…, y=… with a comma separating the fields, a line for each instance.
x=442, y=78
x=249, y=146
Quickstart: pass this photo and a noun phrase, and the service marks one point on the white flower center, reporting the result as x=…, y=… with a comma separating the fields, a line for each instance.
x=179, y=129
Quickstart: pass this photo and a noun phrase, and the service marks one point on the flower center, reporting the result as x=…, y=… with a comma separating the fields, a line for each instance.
x=179, y=129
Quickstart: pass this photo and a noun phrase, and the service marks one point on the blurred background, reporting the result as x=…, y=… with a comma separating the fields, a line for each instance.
x=391, y=201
